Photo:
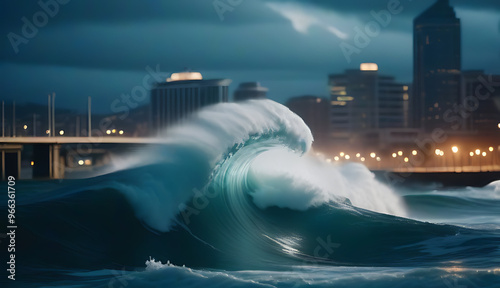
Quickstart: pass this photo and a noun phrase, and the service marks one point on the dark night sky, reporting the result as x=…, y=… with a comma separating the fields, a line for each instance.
x=101, y=48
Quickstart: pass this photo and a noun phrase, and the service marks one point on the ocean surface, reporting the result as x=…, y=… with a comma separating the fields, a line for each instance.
x=235, y=197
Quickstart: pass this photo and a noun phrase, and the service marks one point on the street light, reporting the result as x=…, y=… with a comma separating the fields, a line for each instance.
x=438, y=152
x=471, y=154
x=347, y=157
x=454, y=149
x=414, y=152
x=342, y=154
x=121, y=132
x=480, y=162
x=363, y=159
x=394, y=155
x=336, y=158
x=478, y=152
x=358, y=155
x=493, y=157
x=406, y=159
x=373, y=155
x=61, y=132
x=400, y=153
x=25, y=127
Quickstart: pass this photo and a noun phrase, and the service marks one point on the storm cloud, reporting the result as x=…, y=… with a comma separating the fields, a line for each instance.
x=101, y=48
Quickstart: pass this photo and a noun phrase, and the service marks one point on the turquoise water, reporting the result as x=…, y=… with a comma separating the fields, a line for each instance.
x=235, y=198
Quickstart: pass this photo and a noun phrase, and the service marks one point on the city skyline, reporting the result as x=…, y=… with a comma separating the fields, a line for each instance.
x=86, y=60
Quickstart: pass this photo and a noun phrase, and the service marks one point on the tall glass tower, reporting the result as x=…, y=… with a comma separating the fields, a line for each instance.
x=436, y=64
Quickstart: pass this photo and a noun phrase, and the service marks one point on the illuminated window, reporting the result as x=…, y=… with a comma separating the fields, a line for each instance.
x=339, y=103
x=338, y=88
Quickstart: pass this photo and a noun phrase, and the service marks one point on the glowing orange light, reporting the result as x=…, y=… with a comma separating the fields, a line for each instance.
x=368, y=67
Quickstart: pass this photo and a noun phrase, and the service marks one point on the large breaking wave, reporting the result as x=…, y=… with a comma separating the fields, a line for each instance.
x=235, y=187
x=256, y=148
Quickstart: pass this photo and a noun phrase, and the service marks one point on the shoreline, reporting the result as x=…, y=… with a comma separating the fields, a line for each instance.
x=442, y=179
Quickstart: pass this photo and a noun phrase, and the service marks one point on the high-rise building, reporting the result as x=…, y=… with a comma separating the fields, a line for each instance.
x=480, y=105
x=250, y=90
x=436, y=64
x=363, y=101
x=182, y=94
x=314, y=111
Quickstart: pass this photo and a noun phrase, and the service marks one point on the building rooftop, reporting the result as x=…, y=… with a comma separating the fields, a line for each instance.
x=440, y=10
x=186, y=75
x=188, y=78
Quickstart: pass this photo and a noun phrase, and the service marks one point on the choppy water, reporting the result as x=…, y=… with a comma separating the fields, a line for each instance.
x=236, y=196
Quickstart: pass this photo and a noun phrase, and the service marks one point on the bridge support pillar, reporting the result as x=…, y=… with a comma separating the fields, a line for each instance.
x=48, y=162
x=11, y=160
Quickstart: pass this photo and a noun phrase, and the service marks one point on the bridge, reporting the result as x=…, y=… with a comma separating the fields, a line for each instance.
x=47, y=152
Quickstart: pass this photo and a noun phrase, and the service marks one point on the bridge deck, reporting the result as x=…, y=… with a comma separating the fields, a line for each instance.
x=77, y=140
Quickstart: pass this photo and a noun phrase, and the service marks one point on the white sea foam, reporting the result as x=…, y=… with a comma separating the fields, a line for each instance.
x=285, y=179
